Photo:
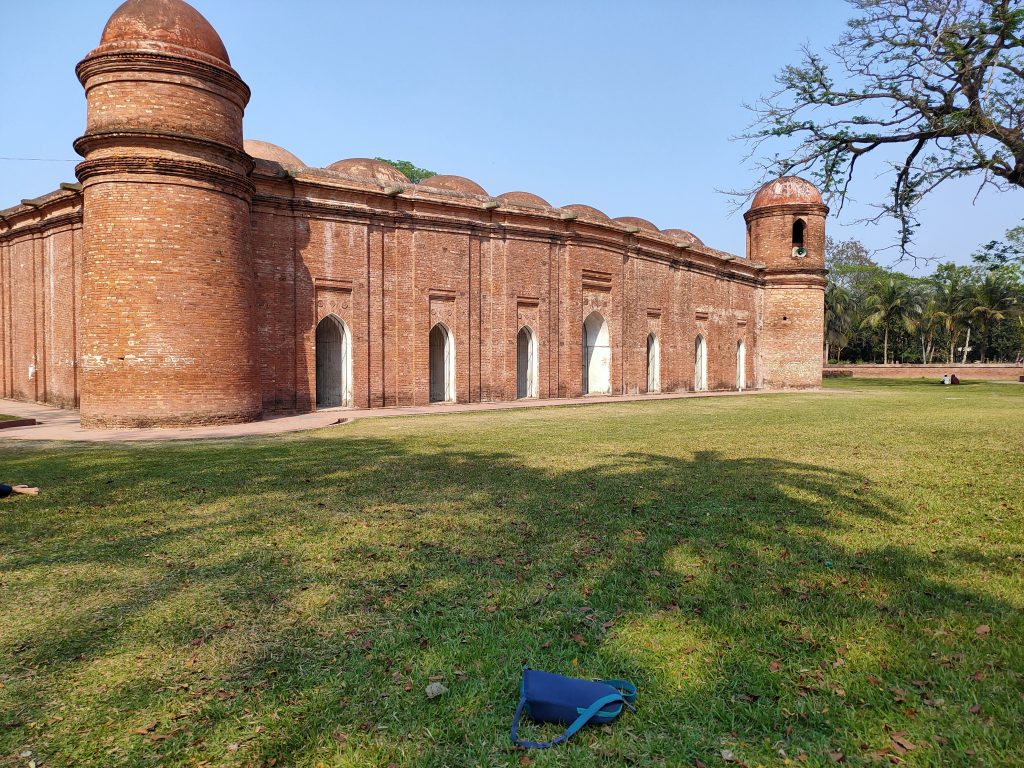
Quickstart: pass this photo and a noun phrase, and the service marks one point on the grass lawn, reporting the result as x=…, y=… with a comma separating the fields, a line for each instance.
x=5, y=417
x=805, y=578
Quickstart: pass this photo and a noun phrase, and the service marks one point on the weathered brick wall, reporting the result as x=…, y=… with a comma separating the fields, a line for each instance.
x=40, y=270
x=985, y=371
x=391, y=269
x=167, y=306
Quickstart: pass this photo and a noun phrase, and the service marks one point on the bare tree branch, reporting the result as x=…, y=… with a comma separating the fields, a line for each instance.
x=942, y=78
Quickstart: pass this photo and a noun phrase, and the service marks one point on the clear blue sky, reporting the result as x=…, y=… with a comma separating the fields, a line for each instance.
x=625, y=106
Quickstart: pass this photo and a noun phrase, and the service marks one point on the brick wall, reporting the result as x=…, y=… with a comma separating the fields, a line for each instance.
x=40, y=272
x=389, y=269
x=392, y=268
x=985, y=371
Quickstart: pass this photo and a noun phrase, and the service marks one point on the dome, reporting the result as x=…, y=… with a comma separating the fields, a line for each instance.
x=454, y=184
x=788, y=190
x=371, y=170
x=264, y=150
x=683, y=236
x=636, y=221
x=172, y=22
x=586, y=211
x=527, y=198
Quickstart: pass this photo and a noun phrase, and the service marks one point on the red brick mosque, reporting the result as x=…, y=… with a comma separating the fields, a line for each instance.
x=191, y=276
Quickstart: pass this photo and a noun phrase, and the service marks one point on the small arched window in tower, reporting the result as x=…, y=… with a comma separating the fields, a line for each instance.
x=798, y=233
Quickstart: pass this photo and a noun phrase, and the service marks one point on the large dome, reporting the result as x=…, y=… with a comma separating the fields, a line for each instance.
x=264, y=150
x=636, y=221
x=372, y=170
x=455, y=184
x=787, y=190
x=683, y=236
x=172, y=22
x=526, y=198
x=586, y=211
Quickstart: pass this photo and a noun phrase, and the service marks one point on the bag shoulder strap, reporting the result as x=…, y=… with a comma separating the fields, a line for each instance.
x=578, y=723
x=625, y=687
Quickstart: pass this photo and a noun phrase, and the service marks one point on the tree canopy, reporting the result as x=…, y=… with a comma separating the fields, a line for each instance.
x=998, y=253
x=875, y=314
x=934, y=89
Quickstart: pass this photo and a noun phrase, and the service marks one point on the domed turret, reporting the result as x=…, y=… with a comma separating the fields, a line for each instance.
x=168, y=321
x=786, y=233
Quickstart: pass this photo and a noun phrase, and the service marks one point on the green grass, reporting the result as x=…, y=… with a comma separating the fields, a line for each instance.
x=786, y=577
x=5, y=417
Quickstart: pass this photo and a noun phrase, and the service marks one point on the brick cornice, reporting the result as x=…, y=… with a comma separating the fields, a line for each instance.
x=214, y=175
x=90, y=142
x=17, y=230
x=792, y=209
x=131, y=62
x=791, y=277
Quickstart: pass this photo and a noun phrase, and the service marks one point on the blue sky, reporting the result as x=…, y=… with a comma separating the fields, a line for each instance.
x=628, y=107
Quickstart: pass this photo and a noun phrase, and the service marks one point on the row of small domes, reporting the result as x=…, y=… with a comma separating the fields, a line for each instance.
x=174, y=23
x=384, y=173
x=783, y=191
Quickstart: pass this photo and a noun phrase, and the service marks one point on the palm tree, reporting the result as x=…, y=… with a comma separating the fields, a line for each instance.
x=925, y=318
x=992, y=302
x=890, y=302
x=838, y=319
x=952, y=286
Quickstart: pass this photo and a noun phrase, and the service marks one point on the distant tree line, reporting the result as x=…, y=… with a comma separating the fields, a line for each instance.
x=959, y=314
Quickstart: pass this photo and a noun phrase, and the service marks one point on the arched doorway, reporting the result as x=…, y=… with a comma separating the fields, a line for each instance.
x=333, y=364
x=526, y=364
x=597, y=356
x=741, y=365
x=700, y=364
x=653, y=364
x=442, y=365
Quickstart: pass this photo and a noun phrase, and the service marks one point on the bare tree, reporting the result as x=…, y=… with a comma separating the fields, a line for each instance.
x=934, y=88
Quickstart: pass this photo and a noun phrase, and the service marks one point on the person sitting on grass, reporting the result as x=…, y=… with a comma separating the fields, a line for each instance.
x=7, y=490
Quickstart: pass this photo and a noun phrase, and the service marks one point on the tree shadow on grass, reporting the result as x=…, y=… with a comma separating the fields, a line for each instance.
x=289, y=601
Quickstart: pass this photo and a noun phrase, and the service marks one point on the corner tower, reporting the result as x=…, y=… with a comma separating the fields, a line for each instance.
x=167, y=332
x=786, y=233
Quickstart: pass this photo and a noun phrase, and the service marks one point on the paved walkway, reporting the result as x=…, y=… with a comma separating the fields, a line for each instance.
x=62, y=424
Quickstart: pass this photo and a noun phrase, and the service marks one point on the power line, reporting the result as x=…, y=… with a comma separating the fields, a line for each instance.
x=39, y=159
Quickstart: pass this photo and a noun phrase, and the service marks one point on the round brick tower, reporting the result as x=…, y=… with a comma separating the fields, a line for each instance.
x=786, y=233
x=167, y=332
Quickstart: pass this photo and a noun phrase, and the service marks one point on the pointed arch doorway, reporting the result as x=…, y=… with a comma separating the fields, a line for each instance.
x=442, y=365
x=333, y=363
x=700, y=364
x=597, y=356
x=527, y=384
x=653, y=364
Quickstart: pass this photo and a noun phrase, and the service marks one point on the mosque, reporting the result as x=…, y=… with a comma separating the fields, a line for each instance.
x=191, y=276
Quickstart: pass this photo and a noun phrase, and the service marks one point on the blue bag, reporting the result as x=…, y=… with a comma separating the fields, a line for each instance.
x=550, y=698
